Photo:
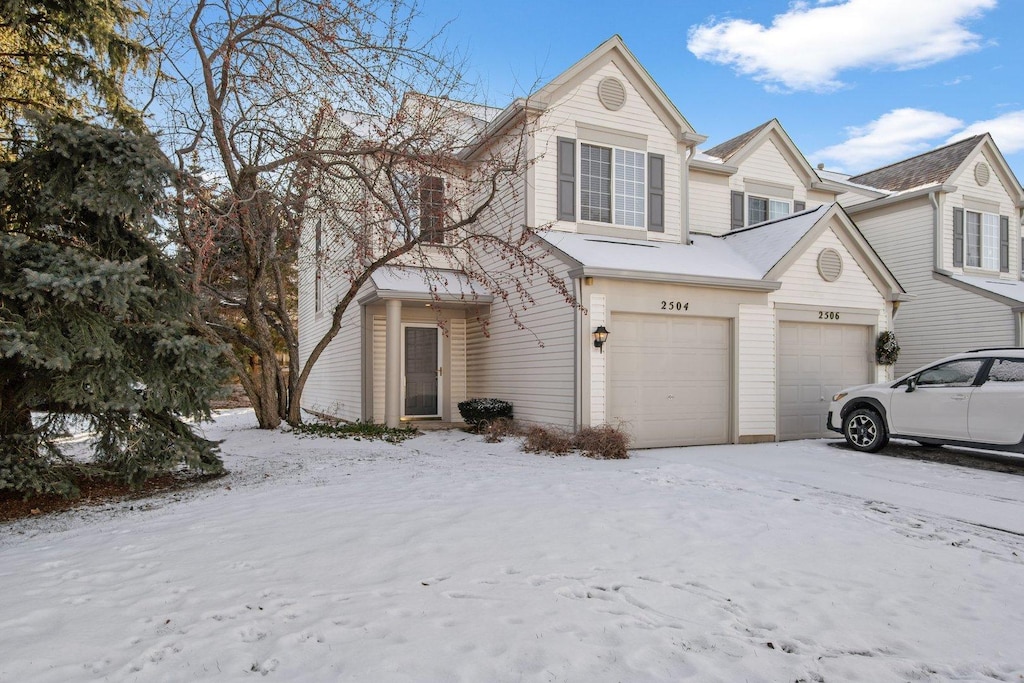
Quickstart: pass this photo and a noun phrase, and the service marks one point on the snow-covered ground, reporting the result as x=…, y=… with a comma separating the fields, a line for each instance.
x=449, y=559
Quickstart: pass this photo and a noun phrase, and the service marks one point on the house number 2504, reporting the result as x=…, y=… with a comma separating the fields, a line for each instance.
x=675, y=306
x=828, y=315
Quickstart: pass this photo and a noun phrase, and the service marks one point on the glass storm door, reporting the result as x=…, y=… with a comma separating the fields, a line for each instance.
x=421, y=371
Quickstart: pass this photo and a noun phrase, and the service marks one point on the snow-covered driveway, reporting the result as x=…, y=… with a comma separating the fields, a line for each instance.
x=449, y=559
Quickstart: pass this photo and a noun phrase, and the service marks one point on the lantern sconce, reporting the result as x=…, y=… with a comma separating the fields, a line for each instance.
x=600, y=337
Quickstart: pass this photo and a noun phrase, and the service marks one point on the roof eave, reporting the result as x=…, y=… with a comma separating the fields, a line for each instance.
x=720, y=169
x=676, y=278
x=896, y=198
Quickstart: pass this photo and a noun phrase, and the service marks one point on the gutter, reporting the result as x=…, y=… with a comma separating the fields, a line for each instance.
x=948, y=278
x=721, y=169
x=677, y=278
x=893, y=199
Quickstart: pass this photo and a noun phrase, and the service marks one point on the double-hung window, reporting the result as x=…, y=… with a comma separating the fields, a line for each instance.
x=611, y=184
x=981, y=239
x=761, y=209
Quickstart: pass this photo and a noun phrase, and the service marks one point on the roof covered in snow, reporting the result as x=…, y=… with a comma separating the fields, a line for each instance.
x=1008, y=289
x=393, y=282
x=763, y=245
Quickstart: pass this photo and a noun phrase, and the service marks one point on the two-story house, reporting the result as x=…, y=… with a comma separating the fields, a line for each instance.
x=948, y=224
x=727, y=317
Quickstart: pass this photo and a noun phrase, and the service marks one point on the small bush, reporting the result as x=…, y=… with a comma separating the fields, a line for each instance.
x=547, y=440
x=477, y=412
x=498, y=429
x=603, y=443
x=355, y=430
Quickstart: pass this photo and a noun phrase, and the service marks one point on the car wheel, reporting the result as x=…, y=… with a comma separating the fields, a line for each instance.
x=865, y=430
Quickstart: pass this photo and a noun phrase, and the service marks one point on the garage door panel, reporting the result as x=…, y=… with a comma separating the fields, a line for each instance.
x=670, y=378
x=816, y=361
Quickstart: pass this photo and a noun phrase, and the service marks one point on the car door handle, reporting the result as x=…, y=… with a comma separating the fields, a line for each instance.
x=959, y=397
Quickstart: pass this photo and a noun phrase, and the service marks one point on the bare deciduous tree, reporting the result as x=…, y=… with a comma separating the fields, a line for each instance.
x=282, y=112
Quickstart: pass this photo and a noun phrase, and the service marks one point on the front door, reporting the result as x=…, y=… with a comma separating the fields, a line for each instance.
x=421, y=371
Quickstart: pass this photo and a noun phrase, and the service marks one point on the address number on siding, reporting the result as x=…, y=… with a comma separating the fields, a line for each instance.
x=675, y=305
x=828, y=315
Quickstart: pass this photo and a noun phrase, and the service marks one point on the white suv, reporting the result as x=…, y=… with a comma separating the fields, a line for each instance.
x=971, y=399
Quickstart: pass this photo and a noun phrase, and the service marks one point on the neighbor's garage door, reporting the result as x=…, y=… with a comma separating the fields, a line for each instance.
x=816, y=361
x=669, y=379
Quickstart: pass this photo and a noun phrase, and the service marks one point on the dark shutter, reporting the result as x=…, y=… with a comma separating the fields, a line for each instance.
x=656, y=193
x=432, y=210
x=566, y=179
x=958, y=237
x=799, y=206
x=737, y=210
x=1004, y=244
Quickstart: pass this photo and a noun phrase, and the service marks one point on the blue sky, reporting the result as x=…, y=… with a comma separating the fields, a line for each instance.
x=856, y=83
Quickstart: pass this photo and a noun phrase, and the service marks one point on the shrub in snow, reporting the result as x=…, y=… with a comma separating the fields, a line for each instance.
x=498, y=429
x=547, y=440
x=479, y=411
x=604, y=443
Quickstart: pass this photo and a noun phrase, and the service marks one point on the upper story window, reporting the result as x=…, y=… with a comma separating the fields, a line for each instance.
x=431, y=209
x=601, y=169
x=750, y=209
x=761, y=209
x=615, y=185
x=981, y=240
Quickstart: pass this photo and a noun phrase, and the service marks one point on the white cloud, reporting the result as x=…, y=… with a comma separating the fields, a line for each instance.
x=807, y=47
x=1007, y=130
x=895, y=135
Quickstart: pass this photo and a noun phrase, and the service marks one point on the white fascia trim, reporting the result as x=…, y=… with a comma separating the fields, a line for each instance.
x=385, y=294
x=677, y=278
x=721, y=169
x=947, y=277
x=893, y=199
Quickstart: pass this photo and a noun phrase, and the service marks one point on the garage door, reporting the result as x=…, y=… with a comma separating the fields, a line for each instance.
x=669, y=379
x=816, y=361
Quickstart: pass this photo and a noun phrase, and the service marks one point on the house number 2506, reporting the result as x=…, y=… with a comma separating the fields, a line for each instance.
x=675, y=306
x=828, y=315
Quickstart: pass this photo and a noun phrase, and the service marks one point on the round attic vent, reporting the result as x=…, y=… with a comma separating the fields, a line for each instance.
x=830, y=265
x=981, y=173
x=612, y=93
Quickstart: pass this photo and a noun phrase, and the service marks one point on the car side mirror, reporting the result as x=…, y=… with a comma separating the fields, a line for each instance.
x=911, y=384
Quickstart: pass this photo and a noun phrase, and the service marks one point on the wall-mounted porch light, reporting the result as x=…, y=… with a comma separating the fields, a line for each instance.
x=600, y=337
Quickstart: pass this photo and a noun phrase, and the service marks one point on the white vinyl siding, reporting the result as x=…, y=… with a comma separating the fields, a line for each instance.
x=941, y=319
x=756, y=371
x=580, y=104
x=598, y=362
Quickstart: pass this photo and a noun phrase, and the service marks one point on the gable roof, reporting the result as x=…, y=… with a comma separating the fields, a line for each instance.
x=728, y=148
x=931, y=168
x=773, y=246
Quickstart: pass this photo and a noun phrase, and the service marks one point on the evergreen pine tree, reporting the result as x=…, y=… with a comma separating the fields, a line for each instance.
x=93, y=318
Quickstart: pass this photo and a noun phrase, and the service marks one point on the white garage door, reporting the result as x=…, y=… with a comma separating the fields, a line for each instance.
x=816, y=361
x=669, y=379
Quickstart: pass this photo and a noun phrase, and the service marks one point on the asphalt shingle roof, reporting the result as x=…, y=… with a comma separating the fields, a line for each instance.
x=730, y=147
x=929, y=168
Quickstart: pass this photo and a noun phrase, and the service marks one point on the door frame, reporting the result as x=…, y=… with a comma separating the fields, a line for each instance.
x=440, y=384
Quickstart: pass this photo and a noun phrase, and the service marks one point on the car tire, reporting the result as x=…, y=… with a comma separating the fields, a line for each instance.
x=865, y=430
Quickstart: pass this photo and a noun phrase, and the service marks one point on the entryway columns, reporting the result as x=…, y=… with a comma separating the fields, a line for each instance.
x=393, y=363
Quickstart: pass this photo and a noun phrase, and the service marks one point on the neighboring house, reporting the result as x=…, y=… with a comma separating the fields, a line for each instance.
x=720, y=331
x=948, y=224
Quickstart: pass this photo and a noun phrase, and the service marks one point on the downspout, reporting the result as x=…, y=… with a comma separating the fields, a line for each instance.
x=937, y=209
x=685, y=190
x=577, y=379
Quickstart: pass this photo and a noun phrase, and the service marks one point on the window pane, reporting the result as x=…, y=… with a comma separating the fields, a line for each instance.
x=777, y=209
x=958, y=373
x=595, y=183
x=990, y=241
x=757, y=210
x=972, y=239
x=629, y=188
x=1006, y=370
